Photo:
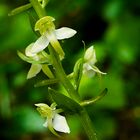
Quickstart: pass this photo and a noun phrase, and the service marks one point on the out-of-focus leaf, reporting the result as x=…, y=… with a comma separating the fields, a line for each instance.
x=115, y=98
x=5, y=108
x=27, y=119
x=20, y=9
x=64, y=102
x=19, y=79
x=104, y=119
x=113, y=9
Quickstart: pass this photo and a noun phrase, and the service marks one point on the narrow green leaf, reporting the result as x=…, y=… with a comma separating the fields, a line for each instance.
x=20, y=9
x=30, y=60
x=78, y=70
x=64, y=102
x=91, y=101
x=46, y=82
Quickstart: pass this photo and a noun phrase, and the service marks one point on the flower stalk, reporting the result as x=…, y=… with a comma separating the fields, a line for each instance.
x=37, y=7
x=55, y=49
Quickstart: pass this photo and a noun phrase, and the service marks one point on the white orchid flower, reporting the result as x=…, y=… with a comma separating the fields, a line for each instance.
x=54, y=121
x=36, y=67
x=89, y=67
x=52, y=37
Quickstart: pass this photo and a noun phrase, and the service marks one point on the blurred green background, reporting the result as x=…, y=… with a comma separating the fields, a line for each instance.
x=113, y=27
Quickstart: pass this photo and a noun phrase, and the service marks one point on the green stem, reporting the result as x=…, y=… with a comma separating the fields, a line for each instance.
x=60, y=73
x=39, y=10
x=87, y=124
x=62, y=76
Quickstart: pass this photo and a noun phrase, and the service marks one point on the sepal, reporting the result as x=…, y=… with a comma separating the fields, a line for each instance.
x=34, y=70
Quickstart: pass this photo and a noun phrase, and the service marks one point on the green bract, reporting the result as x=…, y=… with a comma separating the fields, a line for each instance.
x=65, y=102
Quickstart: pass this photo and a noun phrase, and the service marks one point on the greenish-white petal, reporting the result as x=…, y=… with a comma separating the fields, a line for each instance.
x=34, y=70
x=28, y=50
x=64, y=33
x=60, y=124
x=40, y=45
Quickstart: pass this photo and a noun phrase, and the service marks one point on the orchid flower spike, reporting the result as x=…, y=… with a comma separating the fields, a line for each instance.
x=50, y=35
x=89, y=67
x=54, y=121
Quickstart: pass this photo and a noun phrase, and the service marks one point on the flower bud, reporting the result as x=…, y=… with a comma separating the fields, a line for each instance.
x=90, y=55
